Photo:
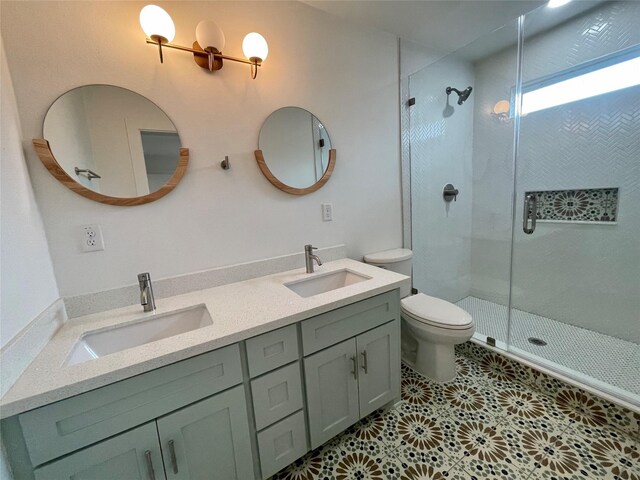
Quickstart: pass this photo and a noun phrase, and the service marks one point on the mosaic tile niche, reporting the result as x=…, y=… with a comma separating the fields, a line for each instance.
x=594, y=205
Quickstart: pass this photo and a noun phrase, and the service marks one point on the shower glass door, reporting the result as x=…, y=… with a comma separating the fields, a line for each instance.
x=575, y=296
x=462, y=245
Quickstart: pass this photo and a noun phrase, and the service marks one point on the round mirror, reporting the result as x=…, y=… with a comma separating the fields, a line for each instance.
x=112, y=145
x=295, y=151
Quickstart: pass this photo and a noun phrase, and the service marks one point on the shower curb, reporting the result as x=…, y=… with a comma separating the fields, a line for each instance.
x=579, y=404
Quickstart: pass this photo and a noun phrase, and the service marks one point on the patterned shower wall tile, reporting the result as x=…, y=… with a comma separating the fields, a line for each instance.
x=589, y=205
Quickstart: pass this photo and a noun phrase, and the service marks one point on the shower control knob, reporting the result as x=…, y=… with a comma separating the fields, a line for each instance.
x=449, y=192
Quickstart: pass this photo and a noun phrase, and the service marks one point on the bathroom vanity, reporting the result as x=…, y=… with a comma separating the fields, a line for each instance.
x=283, y=364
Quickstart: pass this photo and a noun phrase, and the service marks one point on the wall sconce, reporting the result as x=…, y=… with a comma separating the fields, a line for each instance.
x=501, y=110
x=207, y=49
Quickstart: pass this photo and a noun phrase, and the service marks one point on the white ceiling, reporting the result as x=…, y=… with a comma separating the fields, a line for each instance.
x=442, y=26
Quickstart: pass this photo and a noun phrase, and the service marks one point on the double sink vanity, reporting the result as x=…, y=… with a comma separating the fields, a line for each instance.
x=235, y=381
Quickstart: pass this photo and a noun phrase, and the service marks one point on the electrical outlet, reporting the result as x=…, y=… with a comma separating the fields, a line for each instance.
x=327, y=212
x=91, y=238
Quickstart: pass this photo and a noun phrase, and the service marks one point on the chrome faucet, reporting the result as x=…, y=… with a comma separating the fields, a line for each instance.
x=309, y=257
x=146, y=292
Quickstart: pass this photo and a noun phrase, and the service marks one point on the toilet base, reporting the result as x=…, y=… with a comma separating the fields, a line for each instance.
x=436, y=361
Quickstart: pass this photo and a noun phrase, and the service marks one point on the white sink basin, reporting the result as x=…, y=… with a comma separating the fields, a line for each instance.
x=325, y=282
x=105, y=342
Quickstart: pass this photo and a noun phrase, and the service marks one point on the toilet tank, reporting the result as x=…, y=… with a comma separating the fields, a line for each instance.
x=397, y=260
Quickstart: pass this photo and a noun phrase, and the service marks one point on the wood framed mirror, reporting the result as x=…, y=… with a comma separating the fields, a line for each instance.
x=111, y=145
x=295, y=152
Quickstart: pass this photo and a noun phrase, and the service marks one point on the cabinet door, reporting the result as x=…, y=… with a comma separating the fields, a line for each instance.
x=132, y=455
x=209, y=439
x=379, y=363
x=332, y=391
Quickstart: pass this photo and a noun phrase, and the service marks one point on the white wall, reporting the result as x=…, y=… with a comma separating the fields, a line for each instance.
x=215, y=217
x=585, y=275
x=441, y=141
x=27, y=282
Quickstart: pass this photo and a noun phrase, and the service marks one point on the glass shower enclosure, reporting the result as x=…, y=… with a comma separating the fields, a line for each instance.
x=542, y=242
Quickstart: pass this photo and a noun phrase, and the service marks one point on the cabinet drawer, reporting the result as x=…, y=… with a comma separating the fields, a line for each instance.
x=346, y=322
x=272, y=350
x=276, y=395
x=70, y=424
x=282, y=444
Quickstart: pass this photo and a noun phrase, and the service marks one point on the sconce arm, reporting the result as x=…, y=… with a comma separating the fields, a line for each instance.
x=203, y=53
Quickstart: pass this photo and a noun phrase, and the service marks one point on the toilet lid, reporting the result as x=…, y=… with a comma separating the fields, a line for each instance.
x=389, y=256
x=435, y=311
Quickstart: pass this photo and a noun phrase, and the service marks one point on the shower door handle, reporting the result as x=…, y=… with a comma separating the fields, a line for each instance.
x=529, y=213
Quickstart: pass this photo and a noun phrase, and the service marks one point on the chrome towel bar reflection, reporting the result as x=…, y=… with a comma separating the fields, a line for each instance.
x=85, y=172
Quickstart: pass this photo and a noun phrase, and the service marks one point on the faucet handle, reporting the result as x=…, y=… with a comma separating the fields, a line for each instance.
x=310, y=247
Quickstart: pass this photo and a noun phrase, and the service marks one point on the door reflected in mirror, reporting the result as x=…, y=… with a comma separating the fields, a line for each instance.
x=112, y=141
x=295, y=147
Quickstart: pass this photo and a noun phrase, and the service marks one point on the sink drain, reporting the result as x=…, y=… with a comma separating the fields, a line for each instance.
x=538, y=342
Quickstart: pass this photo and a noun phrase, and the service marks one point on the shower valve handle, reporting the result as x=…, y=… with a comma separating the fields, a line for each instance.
x=449, y=192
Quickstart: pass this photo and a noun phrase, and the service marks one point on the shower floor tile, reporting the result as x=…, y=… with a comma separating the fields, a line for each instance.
x=483, y=425
x=604, y=358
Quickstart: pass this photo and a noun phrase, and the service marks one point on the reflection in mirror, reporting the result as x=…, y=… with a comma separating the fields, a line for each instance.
x=296, y=147
x=112, y=141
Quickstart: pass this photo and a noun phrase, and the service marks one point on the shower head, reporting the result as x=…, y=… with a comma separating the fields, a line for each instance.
x=462, y=95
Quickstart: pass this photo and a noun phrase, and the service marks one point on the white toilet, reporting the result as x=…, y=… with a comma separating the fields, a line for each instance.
x=431, y=327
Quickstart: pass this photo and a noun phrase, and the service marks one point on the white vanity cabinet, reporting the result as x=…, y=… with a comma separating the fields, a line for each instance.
x=243, y=411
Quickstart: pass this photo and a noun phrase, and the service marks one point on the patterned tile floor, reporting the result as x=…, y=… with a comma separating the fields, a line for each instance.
x=610, y=360
x=480, y=426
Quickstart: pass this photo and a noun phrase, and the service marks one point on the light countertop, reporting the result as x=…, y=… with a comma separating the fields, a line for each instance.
x=239, y=311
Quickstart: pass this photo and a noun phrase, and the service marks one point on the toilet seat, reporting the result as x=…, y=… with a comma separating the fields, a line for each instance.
x=436, y=312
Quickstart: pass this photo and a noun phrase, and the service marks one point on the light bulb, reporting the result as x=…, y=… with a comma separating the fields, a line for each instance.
x=155, y=21
x=255, y=46
x=209, y=34
x=501, y=107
